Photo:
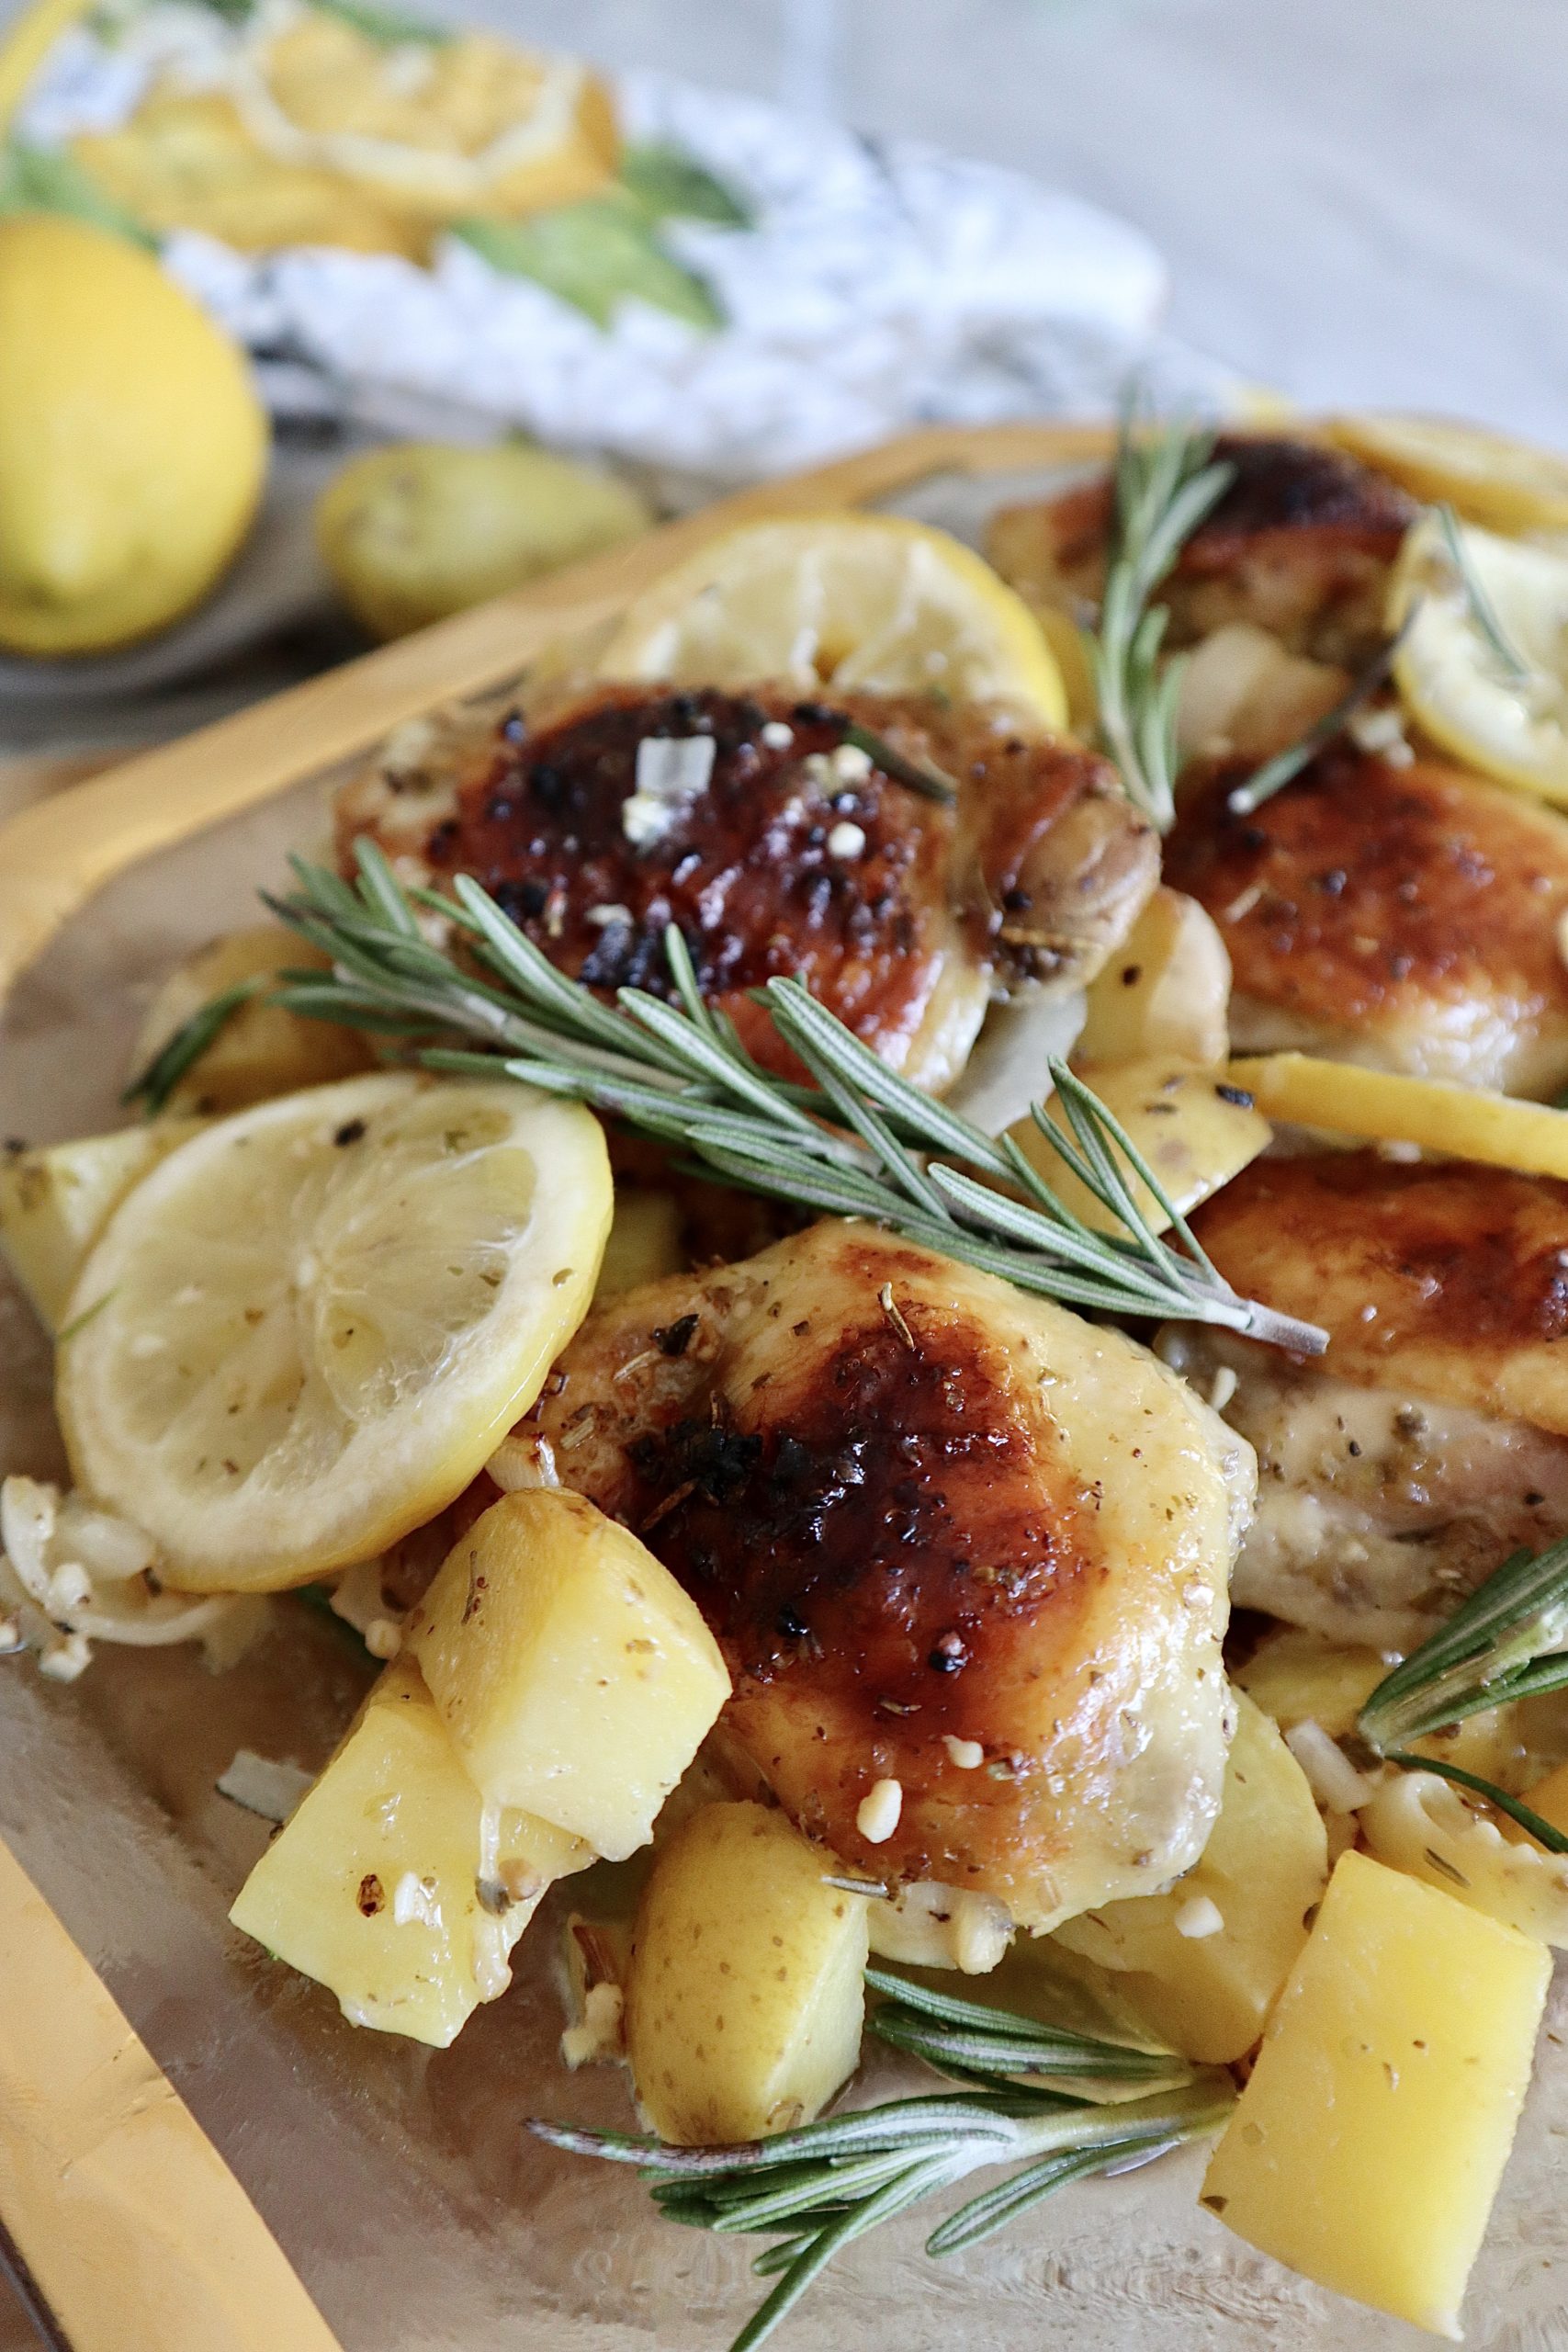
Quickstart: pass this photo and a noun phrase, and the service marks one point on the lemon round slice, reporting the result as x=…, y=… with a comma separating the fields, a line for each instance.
x=1486, y=476
x=305, y=1331
x=1508, y=719
x=841, y=601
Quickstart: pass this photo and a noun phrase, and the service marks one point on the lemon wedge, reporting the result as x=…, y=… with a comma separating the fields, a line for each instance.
x=1486, y=476
x=841, y=601
x=305, y=1331
x=1501, y=706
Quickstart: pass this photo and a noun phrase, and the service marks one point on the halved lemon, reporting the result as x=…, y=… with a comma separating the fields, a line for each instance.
x=838, y=601
x=305, y=1330
x=1486, y=476
x=1462, y=688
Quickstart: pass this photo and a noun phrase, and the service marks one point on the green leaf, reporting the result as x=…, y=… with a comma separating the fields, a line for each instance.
x=387, y=24
x=670, y=184
x=153, y=1087
x=46, y=179
x=595, y=256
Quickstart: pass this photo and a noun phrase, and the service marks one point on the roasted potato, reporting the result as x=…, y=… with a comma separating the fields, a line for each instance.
x=261, y=1050
x=1165, y=991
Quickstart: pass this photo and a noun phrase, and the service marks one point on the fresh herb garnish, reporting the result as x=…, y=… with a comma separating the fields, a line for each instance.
x=1538, y=1827
x=1483, y=612
x=595, y=254
x=43, y=179
x=859, y=1141
x=670, y=184
x=1165, y=485
x=1508, y=1640
x=153, y=1087
x=1276, y=773
x=819, y=2188
x=922, y=776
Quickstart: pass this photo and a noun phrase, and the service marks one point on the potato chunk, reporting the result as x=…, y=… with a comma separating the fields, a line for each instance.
x=56, y=1201
x=1204, y=1963
x=745, y=1995
x=576, y=1677
x=1166, y=991
x=261, y=1050
x=1193, y=1127
x=1369, y=2141
x=390, y=1885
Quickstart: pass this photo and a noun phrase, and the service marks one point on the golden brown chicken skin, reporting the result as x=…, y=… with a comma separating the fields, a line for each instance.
x=1301, y=544
x=795, y=852
x=1432, y=1439
x=1403, y=917
x=946, y=1535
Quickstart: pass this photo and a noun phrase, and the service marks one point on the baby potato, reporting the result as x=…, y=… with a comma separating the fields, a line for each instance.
x=576, y=1679
x=421, y=529
x=1368, y=2144
x=262, y=1050
x=380, y=1885
x=55, y=1202
x=1166, y=991
x=746, y=1995
x=1195, y=1130
x=1204, y=1963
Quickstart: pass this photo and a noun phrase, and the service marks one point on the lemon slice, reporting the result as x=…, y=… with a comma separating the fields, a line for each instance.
x=305, y=1331
x=841, y=601
x=1486, y=477
x=1509, y=722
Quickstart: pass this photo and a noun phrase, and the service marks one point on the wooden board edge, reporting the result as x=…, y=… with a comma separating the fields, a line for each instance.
x=134, y=2233
x=56, y=854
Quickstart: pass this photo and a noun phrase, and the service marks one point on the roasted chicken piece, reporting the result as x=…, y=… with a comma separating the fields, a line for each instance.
x=948, y=1537
x=778, y=846
x=1432, y=1439
x=1407, y=916
x=1301, y=544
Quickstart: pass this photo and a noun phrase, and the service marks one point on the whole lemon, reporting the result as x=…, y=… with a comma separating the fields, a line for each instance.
x=133, y=444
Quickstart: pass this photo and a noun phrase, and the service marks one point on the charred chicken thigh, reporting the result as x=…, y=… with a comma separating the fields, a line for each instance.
x=965, y=1556
x=778, y=844
x=1432, y=1439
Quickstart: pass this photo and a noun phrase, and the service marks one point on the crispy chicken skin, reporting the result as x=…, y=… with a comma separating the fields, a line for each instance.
x=1403, y=917
x=1432, y=1440
x=1301, y=544
x=902, y=915
x=919, y=1507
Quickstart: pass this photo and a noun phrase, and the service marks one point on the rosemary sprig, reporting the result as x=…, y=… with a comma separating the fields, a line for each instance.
x=1276, y=773
x=922, y=776
x=1165, y=485
x=819, y=2188
x=1483, y=612
x=859, y=1141
x=1509, y=1640
x=975, y=2041
x=1541, y=1829
x=153, y=1087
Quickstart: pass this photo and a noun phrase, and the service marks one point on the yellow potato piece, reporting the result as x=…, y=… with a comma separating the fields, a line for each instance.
x=417, y=531
x=54, y=1202
x=1194, y=1127
x=644, y=1244
x=262, y=1050
x=746, y=1997
x=1385, y=1106
x=1550, y=1798
x=1488, y=477
x=838, y=602
x=313, y=1324
x=575, y=1677
x=1209, y=1994
x=1368, y=2145
x=1165, y=991
x=390, y=1885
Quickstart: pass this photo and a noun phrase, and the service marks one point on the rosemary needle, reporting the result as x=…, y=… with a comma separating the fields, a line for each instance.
x=1509, y=1640
x=1284, y=767
x=858, y=1141
x=1165, y=486
x=1483, y=612
x=819, y=2188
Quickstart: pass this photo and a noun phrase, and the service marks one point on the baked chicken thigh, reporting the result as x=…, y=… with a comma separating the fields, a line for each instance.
x=965, y=1555
x=779, y=844
x=1432, y=1439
